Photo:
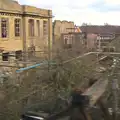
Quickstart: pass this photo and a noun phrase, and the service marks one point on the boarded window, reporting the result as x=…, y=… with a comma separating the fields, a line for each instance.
x=45, y=28
x=5, y=56
x=18, y=55
x=38, y=28
x=105, y=49
x=112, y=49
x=31, y=27
x=17, y=23
x=4, y=27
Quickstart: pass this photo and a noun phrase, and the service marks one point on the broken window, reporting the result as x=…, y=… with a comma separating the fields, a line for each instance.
x=4, y=27
x=45, y=28
x=112, y=49
x=38, y=28
x=5, y=56
x=17, y=27
x=31, y=27
x=18, y=55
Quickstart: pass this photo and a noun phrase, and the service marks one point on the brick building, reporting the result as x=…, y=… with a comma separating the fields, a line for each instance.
x=98, y=37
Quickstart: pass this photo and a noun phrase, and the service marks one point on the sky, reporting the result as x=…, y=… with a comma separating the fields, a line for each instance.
x=95, y=12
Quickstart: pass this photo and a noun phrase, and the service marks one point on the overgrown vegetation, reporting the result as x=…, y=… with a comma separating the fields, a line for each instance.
x=40, y=85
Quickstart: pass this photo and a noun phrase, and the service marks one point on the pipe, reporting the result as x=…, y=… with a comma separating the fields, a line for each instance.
x=34, y=66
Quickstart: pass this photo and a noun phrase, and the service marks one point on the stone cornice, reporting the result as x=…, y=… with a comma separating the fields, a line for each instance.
x=35, y=15
x=11, y=7
x=9, y=13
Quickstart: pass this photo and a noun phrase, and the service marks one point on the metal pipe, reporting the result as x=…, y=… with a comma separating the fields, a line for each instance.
x=34, y=66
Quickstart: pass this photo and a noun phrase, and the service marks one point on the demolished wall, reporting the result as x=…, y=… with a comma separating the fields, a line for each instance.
x=60, y=27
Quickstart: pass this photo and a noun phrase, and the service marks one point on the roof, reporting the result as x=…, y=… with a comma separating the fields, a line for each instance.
x=101, y=29
x=11, y=6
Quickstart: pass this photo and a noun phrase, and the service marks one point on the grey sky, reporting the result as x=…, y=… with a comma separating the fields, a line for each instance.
x=79, y=11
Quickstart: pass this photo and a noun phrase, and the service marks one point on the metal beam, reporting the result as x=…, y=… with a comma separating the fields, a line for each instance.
x=106, y=53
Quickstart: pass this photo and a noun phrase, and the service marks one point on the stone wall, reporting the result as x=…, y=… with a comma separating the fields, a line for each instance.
x=60, y=27
x=12, y=10
x=91, y=41
x=11, y=43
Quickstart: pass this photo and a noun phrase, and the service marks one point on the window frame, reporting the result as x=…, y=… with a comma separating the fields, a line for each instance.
x=4, y=27
x=17, y=27
x=18, y=55
x=5, y=56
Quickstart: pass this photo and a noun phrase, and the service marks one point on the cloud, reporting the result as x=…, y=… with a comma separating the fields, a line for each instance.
x=90, y=11
x=103, y=6
x=112, y=2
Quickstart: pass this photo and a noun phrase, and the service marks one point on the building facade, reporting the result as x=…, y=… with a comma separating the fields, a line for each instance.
x=98, y=37
x=61, y=27
x=24, y=28
x=73, y=40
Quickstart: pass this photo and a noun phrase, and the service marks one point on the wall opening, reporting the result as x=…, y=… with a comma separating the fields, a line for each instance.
x=18, y=55
x=5, y=56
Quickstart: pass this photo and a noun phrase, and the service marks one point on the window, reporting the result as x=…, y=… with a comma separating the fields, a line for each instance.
x=105, y=50
x=17, y=27
x=45, y=28
x=68, y=39
x=38, y=28
x=5, y=56
x=18, y=55
x=31, y=27
x=112, y=49
x=4, y=27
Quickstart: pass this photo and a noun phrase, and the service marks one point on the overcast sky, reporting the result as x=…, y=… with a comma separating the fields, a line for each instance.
x=79, y=11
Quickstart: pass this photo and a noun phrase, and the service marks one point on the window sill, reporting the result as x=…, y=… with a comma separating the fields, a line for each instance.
x=5, y=39
x=17, y=38
x=31, y=37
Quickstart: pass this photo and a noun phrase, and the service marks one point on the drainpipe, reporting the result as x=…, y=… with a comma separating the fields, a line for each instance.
x=49, y=39
x=24, y=36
